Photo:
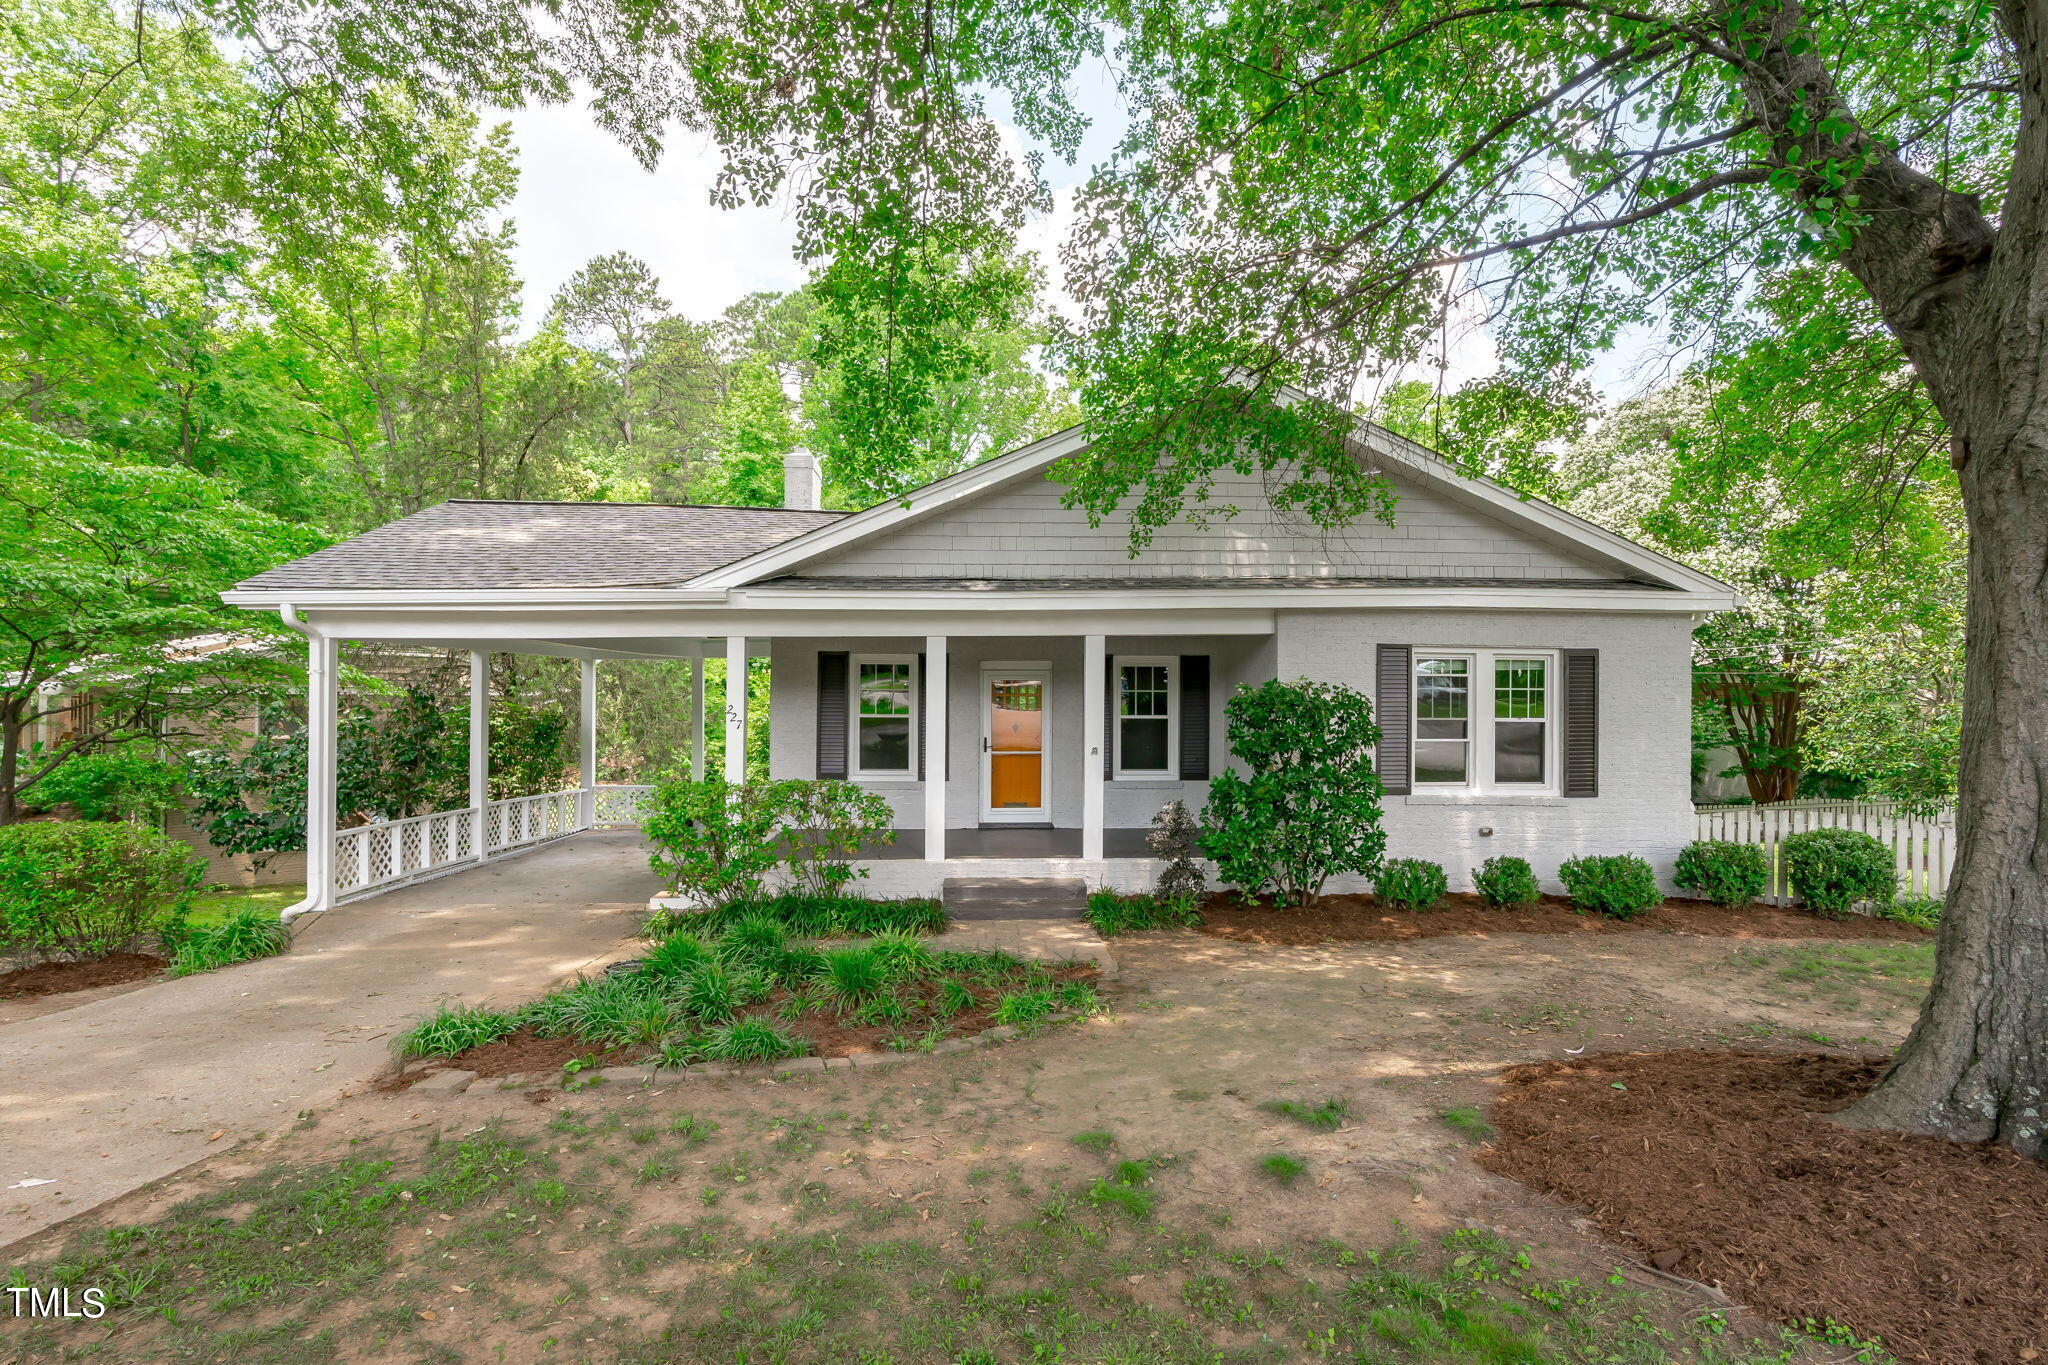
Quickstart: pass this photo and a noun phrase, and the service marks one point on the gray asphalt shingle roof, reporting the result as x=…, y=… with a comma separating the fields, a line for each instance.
x=1217, y=584
x=471, y=544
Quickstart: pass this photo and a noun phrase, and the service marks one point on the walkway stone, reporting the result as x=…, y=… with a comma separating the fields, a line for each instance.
x=112, y=1094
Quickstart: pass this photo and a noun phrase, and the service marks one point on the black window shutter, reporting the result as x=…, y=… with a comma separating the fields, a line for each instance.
x=1582, y=722
x=832, y=712
x=1396, y=675
x=1109, y=687
x=920, y=717
x=1194, y=718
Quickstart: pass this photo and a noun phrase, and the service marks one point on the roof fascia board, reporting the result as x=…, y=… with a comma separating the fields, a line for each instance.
x=1188, y=599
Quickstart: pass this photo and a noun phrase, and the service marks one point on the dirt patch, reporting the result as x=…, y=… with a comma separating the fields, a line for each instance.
x=1363, y=919
x=527, y=1051
x=1724, y=1168
x=61, y=978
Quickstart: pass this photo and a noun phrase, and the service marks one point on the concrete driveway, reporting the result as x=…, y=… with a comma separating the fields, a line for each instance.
x=110, y=1095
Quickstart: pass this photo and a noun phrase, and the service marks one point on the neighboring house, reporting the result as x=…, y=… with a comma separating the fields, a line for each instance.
x=1530, y=670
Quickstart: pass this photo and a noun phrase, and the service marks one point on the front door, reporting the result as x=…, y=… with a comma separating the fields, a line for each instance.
x=1014, y=735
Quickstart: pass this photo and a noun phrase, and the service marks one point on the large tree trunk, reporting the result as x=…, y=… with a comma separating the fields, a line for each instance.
x=1970, y=303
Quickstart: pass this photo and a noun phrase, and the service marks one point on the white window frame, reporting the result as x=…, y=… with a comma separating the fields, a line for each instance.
x=1479, y=776
x=854, y=771
x=1171, y=663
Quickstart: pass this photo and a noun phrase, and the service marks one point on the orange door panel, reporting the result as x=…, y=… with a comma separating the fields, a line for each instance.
x=1016, y=741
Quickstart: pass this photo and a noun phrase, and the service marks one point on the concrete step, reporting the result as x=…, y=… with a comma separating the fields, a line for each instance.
x=975, y=898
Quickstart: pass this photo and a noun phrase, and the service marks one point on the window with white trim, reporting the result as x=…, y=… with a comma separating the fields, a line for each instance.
x=1147, y=716
x=884, y=701
x=1483, y=720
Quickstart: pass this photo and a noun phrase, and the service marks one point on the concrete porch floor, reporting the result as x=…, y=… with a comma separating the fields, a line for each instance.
x=1017, y=841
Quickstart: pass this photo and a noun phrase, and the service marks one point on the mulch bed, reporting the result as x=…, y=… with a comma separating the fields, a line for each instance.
x=61, y=978
x=526, y=1051
x=1724, y=1168
x=1363, y=919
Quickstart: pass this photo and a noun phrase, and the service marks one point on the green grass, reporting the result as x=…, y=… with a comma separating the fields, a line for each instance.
x=1324, y=1117
x=1113, y=913
x=217, y=903
x=436, y=1250
x=1096, y=1140
x=1848, y=975
x=1467, y=1123
x=819, y=916
x=1281, y=1168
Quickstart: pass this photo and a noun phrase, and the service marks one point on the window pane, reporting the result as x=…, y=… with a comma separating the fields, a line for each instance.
x=885, y=689
x=1439, y=760
x=1440, y=729
x=1518, y=751
x=1519, y=691
x=1441, y=689
x=1143, y=690
x=885, y=744
x=1144, y=745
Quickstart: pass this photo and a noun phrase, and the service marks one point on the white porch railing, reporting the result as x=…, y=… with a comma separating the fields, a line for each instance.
x=620, y=805
x=387, y=852
x=1922, y=847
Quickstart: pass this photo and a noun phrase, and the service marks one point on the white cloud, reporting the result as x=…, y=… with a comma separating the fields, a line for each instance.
x=581, y=195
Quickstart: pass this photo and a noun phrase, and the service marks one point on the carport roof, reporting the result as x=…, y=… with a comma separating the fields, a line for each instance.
x=466, y=543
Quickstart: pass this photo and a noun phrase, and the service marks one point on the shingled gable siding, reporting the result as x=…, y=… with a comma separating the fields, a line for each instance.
x=1644, y=803
x=1022, y=531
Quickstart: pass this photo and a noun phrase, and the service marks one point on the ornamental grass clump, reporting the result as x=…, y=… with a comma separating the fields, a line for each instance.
x=1112, y=913
x=1507, y=883
x=675, y=956
x=243, y=936
x=1619, y=886
x=1835, y=870
x=456, y=1028
x=751, y=1040
x=1723, y=872
x=854, y=974
x=1410, y=883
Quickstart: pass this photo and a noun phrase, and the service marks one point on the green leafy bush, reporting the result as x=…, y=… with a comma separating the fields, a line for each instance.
x=1113, y=913
x=1411, y=883
x=1507, y=883
x=83, y=889
x=1919, y=910
x=1619, y=886
x=123, y=783
x=1723, y=872
x=1834, y=870
x=829, y=823
x=242, y=937
x=1307, y=808
x=716, y=843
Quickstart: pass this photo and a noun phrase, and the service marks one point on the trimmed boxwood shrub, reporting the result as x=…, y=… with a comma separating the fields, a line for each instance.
x=1619, y=886
x=1411, y=883
x=1507, y=883
x=1725, y=873
x=83, y=889
x=1833, y=870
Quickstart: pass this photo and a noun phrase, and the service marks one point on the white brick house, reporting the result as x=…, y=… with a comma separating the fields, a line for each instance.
x=1530, y=670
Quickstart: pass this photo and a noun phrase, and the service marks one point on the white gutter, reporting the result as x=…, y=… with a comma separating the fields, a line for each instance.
x=290, y=616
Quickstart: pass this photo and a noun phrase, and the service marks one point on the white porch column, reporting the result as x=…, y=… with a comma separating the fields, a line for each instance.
x=323, y=722
x=735, y=708
x=934, y=748
x=1094, y=679
x=586, y=799
x=697, y=667
x=479, y=753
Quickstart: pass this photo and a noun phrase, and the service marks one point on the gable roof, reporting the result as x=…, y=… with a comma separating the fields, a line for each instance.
x=1386, y=449
x=465, y=543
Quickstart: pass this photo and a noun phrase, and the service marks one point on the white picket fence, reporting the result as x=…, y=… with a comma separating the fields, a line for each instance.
x=387, y=853
x=1922, y=846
